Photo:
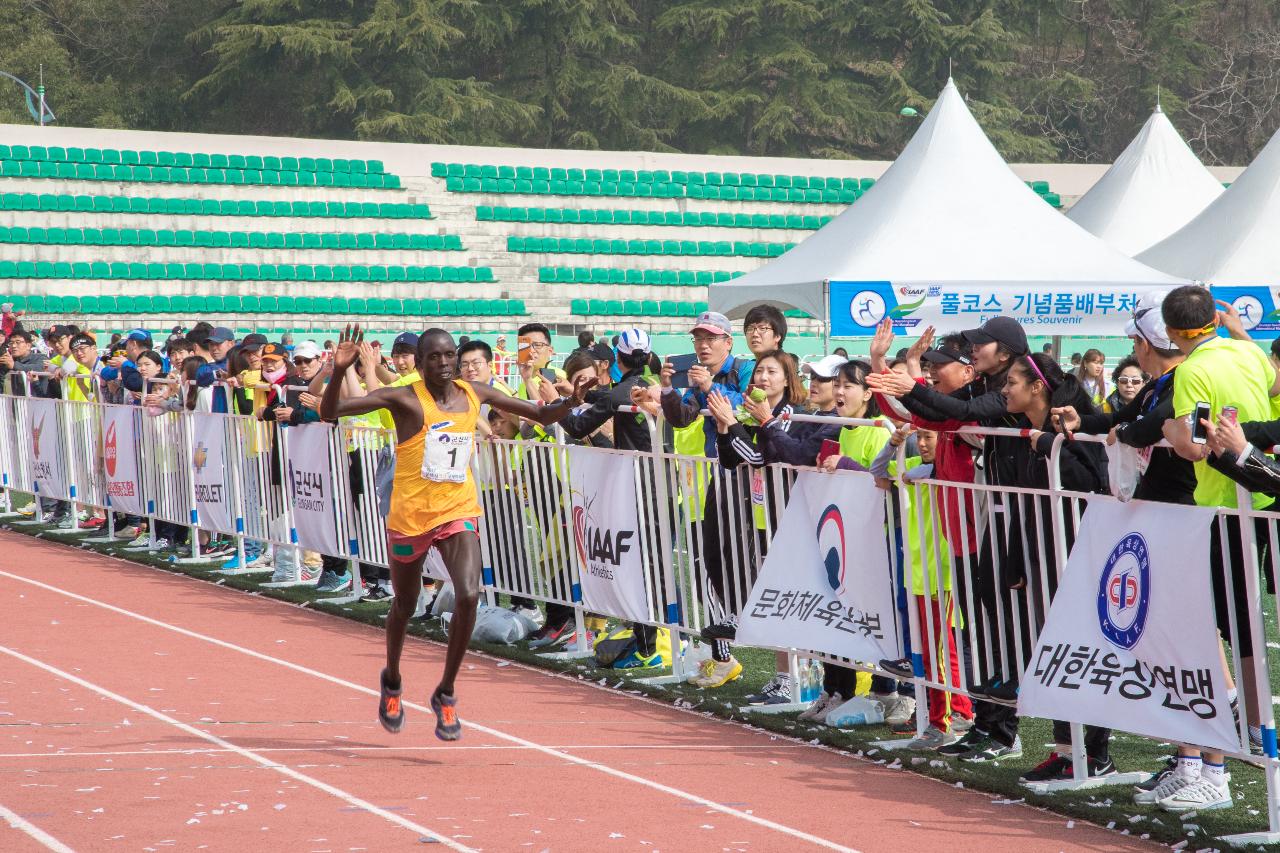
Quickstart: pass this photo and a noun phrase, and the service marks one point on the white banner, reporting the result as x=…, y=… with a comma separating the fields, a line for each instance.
x=826, y=584
x=208, y=462
x=48, y=470
x=606, y=533
x=120, y=458
x=310, y=483
x=1131, y=641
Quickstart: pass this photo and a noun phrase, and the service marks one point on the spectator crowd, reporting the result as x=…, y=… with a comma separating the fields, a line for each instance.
x=743, y=412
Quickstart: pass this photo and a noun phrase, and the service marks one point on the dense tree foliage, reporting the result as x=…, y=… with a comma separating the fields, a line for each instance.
x=1049, y=79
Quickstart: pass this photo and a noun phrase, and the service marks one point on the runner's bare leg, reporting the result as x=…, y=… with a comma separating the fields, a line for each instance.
x=461, y=553
x=406, y=583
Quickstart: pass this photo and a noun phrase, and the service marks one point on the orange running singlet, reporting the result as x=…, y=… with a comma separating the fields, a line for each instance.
x=433, y=482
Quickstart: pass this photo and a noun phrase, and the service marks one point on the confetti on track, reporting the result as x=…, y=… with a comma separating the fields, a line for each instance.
x=253, y=722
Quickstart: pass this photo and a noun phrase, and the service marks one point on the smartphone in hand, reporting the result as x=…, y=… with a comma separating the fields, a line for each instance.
x=681, y=364
x=829, y=448
x=1199, y=435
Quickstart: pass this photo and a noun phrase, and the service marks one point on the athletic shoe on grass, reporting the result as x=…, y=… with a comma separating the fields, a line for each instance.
x=933, y=738
x=1005, y=691
x=714, y=673
x=635, y=660
x=1057, y=768
x=776, y=691
x=973, y=739
x=818, y=710
x=904, y=727
x=961, y=725
x=333, y=581
x=550, y=636
x=448, y=726
x=390, y=712
x=376, y=594
x=1201, y=795
x=1168, y=782
x=140, y=541
x=993, y=750
x=29, y=509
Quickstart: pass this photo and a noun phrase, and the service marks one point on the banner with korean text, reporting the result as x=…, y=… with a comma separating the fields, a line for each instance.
x=826, y=584
x=1042, y=307
x=1130, y=641
x=606, y=533
x=209, y=471
x=120, y=458
x=48, y=470
x=310, y=484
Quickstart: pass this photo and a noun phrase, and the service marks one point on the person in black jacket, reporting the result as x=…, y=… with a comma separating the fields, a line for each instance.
x=995, y=346
x=1034, y=387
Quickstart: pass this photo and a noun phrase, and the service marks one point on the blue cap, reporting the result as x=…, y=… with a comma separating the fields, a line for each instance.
x=405, y=339
x=139, y=335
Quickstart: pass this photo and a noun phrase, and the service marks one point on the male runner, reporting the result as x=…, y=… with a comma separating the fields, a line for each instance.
x=434, y=501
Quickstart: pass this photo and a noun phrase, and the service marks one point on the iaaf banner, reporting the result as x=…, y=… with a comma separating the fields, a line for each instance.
x=826, y=584
x=208, y=462
x=47, y=470
x=1131, y=641
x=1043, y=308
x=310, y=483
x=606, y=533
x=120, y=458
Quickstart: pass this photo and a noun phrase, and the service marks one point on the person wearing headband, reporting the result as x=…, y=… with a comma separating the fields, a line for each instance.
x=1220, y=372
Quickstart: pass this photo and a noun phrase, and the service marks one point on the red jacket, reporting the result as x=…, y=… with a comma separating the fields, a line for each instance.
x=953, y=462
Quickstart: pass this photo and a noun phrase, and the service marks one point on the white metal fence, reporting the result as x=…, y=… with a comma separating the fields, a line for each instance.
x=704, y=533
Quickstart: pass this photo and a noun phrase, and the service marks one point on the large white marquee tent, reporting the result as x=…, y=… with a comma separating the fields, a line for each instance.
x=1155, y=186
x=949, y=213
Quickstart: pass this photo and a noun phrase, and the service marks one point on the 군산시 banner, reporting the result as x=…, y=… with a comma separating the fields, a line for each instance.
x=120, y=458
x=310, y=486
x=1043, y=308
x=606, y=533
x=826, y=584
x=1131, y=641
x=209, y=470
x=46, y=459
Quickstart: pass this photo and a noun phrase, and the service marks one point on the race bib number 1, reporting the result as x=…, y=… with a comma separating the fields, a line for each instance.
x=447, y=456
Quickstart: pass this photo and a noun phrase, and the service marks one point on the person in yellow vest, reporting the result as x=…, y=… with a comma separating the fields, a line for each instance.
x=434, y=501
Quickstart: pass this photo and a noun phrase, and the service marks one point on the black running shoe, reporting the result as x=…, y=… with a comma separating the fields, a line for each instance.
x=375, y=594
x=900, y=668
x=1004, y=691
x=390, y=712
x=1170, y=765
x=973, y=739
x=1052, y=769
x=448, y=726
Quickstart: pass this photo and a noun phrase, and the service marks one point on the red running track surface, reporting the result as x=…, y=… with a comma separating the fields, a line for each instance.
x=142, y=710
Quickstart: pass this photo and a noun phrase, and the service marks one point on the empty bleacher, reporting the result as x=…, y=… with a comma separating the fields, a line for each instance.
x=280, y=232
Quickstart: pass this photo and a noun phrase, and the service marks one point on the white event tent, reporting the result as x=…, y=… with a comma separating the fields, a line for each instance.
x=1155, y=186
x=948, y=217
x=1234, y=240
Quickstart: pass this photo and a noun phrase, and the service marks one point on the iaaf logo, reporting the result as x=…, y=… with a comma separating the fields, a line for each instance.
x=109, y=450
x=1124, y=591
x=931, y=290
x=596, y=543
x=831, y=545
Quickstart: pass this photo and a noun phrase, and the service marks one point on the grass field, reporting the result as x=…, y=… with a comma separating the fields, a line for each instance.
x=1110, y=806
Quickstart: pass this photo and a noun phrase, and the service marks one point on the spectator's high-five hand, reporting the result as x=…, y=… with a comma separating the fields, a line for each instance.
x=891, y=383
x=581, y=387
x=881, y=343
x=309, y=401
x=348, y=349
x=922, y=345
x=722, y=410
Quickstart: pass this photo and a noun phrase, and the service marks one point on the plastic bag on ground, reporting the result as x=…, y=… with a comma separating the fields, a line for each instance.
x=858, y=711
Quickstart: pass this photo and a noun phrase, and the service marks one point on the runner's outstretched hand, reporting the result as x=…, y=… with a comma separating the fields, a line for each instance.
x=582, y=386
x=348, y=349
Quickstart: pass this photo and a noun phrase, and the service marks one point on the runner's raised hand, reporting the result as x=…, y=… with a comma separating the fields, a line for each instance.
x=348, y=349
x=582, y=386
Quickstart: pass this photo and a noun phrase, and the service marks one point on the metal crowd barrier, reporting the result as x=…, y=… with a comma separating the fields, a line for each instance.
x=701, y=544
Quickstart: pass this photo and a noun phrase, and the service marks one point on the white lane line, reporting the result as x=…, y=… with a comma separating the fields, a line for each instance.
x=572, y=759
x=22, y=825
x=495, y=747
x=349, y=799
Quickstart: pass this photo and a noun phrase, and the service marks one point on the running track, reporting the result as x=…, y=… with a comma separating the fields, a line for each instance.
x=141, y=710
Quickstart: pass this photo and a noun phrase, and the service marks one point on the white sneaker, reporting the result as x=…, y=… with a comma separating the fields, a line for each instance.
x=533, y=614
x=817, y=710
x=1200, y=795
x=900, y=710
x=933, y=738
x=1169, y=785
x=161, y=544
x=140, y=542
x=310, y=573
x=714, y=673
x=262, y=561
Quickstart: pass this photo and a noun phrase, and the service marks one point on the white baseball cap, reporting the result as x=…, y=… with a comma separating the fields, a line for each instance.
x=825, y=368
x=307, y=349
x=1147, y=321
x=634, y=340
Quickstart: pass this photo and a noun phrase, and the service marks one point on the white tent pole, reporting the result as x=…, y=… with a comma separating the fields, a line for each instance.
x=826, y=316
